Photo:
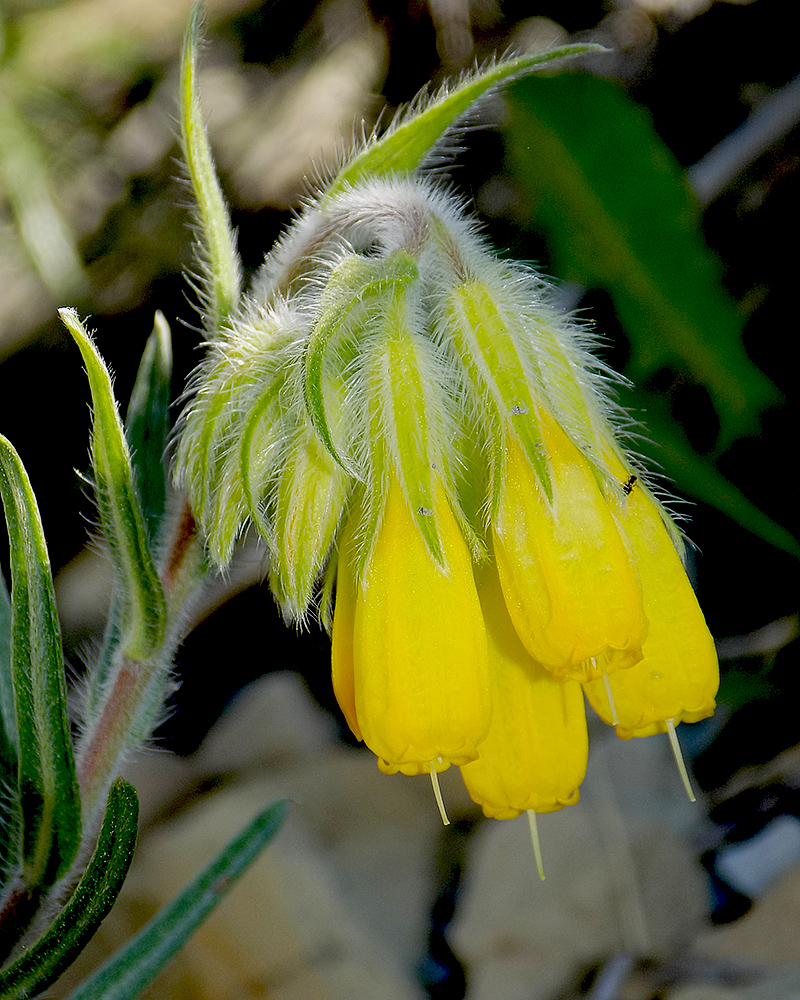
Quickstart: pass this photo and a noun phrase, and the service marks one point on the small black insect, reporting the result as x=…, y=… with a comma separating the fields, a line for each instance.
x=628, y=487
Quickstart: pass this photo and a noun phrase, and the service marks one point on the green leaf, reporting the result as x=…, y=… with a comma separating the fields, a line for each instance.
x=136, y=582
x=414, y=136
x=147, y=423
x=9, y=802
x=8, y=714
x=128, y=973
x=220, y=276
x=48, y=787
x=43, y=962
x=619, y=215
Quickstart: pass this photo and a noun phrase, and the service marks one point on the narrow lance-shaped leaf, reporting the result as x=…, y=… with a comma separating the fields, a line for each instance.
x=146, y=426
x=147, y=423
x=128, y=973
x=9, y=802
x=137, y=583
x=48, y=788
x=43, y=962
x=408, y=143
x=220, y=269
x=8, y=714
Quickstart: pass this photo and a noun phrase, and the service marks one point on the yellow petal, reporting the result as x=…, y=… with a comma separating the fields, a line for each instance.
x=534, y=755
x=567, y=579
x=419, y=646
x=678, y=676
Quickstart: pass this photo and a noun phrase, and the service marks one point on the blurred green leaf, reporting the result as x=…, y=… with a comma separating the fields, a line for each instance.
x=48, y=787
x=147, y=423
x=220, y=277
x=43, y=962
x=413, y=138
x=136, y=581
x=619, y=215
x=25, y=180
x=700, y=477
x=133, y=968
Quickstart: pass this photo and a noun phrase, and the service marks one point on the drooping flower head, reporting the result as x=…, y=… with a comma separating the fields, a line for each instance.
x=433, y=457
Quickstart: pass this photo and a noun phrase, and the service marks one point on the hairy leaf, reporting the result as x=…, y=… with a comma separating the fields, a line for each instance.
x=43, y=962
x=48, y=787
x=147, y=423
x=137, y=584
x=414, y=137
x=9, y=802
x=220, y=269
x=128, y=973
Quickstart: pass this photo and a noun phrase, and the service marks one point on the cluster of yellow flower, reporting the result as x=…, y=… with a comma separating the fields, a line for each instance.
x=410, y=423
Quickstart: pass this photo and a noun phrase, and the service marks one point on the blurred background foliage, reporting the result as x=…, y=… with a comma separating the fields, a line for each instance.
x=625, y=179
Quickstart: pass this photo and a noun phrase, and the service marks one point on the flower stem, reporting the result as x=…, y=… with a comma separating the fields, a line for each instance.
x=131, y=704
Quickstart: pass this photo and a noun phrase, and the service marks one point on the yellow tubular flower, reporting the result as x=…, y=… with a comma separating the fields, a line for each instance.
x=534, y=755
x=419, y=657
x=402, y=401
x=678, y=677
x=569, y=585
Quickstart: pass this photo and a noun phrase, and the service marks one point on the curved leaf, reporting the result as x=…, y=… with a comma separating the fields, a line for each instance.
x=43, y=962
x=414, y=136
x=137, y=583
x=9, y=803
x=48, y=787
x=147, y=423
x=220, y=269
x=134, y=967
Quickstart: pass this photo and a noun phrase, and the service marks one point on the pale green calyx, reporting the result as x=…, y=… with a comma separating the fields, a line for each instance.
x=381, y=341
x=408, y=351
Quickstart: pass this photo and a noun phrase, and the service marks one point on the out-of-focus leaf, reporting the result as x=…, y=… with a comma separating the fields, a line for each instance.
x=409, y=142
x=699, y=476
x=43, y=962
x=48, y=786
x=220, y=276
x=136, y=582
x=9, y=803
x=147, y=422
x=128, y=973
x=25, y=181
x=619, y=215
